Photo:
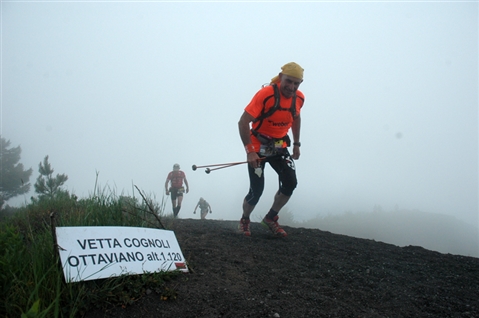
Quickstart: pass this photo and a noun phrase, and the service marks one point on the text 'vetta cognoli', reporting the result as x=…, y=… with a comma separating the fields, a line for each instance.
x=110, y=257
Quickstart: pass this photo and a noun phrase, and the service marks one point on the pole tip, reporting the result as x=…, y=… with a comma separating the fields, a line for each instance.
x=207, y=170
x=194, y=167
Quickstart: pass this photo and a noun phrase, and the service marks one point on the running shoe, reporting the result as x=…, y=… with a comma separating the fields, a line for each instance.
x=244, y=227
x=274, y=226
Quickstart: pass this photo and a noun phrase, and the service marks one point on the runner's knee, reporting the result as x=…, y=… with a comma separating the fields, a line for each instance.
x=287, y=186
x=252, y=197
x=288, y=191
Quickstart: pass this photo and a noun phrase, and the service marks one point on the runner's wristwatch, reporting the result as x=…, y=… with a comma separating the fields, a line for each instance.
x=297, y=144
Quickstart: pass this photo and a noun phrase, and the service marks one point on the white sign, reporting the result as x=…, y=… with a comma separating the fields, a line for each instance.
x=94, y=252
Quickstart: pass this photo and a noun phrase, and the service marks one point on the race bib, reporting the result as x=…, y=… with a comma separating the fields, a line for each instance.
x=272, y=148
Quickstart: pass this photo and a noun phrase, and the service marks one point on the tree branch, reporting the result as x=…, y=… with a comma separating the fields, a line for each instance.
x=150, y=208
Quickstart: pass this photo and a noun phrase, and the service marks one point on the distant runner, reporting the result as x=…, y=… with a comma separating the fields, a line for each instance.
x=176, y=178
x=204, y=208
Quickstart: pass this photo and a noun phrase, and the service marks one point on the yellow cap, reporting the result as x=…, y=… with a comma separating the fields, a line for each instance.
x=291, y=69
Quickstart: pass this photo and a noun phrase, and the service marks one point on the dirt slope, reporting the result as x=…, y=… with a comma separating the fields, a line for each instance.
x=310, y=273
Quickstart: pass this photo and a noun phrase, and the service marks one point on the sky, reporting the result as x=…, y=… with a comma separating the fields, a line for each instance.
x=115, y=93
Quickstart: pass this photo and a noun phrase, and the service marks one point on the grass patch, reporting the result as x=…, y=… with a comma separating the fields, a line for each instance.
x=31, y=277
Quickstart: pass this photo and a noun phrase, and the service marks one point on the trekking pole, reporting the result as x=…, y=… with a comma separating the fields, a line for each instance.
x=220, y=165
x=194, y=167
x=208, y=170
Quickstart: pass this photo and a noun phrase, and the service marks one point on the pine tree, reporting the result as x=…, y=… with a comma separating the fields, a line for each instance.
x=47, y=185
x=13, y=177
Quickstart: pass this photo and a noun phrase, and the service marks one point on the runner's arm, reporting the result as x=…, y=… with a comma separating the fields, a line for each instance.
x=187, y=186
x=296, y=130
x=244, y=131
x=166, y=185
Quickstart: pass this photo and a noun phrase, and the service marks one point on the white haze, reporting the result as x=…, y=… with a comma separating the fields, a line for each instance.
x=127, y=89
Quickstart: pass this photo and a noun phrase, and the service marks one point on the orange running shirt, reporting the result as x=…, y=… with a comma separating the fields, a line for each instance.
x=278, y=124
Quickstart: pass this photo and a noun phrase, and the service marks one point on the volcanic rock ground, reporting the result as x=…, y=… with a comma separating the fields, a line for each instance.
x=310, y=273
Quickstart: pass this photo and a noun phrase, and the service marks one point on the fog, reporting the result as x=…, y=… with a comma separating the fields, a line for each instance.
x=127, y=89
